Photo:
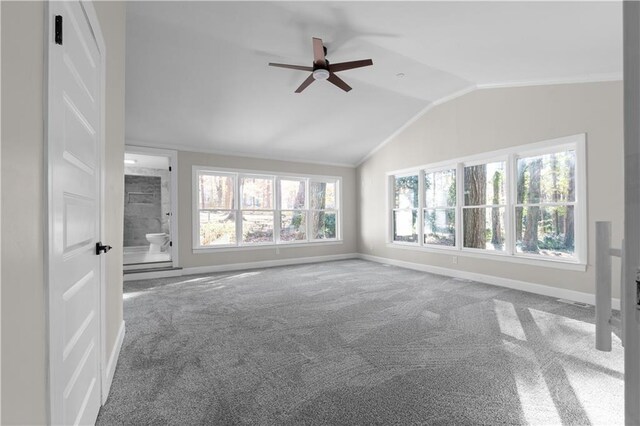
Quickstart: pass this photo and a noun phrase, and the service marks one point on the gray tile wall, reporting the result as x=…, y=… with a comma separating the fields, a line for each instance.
x=142, y=208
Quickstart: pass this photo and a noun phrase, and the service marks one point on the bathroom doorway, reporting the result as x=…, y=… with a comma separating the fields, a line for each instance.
x=150, y=222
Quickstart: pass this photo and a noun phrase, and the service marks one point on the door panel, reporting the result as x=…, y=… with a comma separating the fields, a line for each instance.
x=74, y=218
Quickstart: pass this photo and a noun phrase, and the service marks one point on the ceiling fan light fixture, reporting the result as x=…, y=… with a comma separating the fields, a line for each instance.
x=320, y=74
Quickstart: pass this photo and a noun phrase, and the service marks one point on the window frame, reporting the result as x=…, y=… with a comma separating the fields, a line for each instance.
x=507, y=218
x=237, y=175
x=419, y=224
x=510, y=156
x=423, y=206
x=279, y=208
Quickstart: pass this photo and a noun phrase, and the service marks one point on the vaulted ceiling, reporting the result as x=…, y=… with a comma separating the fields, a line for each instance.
x=197, y=75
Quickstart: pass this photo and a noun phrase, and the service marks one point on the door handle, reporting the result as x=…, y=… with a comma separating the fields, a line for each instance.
x=102, y=248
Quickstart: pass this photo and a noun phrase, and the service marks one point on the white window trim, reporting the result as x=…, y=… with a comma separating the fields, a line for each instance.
x=237, y=175
x=508, y=155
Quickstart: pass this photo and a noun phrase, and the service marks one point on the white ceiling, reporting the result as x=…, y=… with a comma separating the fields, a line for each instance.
x=197, y=74
x=146, y=161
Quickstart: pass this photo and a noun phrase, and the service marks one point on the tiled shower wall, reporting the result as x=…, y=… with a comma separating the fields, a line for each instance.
x=146, y=202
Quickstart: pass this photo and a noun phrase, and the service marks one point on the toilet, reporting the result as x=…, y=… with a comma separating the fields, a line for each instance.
x=157, y=242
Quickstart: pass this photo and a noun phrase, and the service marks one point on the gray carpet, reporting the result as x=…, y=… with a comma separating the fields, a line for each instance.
x=355, y=342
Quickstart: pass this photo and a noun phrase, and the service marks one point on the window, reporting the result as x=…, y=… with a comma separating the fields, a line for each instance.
x=234, y=209
x=545, y=204
x=440, y=203
x=405, y=211
x=257, y=211
x=524, y=202
x=216, y=205
x=323, y=211
x=293, y=216
x=484, y=206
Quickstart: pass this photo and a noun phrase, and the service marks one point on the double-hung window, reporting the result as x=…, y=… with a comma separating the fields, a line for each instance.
x=483, y=214
x=257, y=209
x=216, y=201
x=545, y=204
x=521, y=202
x=405, y=208
x=439, y=211
x=245, y=209
x=293, y=213
x=324, y=209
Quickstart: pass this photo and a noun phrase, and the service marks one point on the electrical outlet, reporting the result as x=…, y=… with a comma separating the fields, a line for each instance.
x=454, y=260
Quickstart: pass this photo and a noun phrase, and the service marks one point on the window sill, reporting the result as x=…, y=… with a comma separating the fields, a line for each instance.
x=204, y=250
x=500, y=257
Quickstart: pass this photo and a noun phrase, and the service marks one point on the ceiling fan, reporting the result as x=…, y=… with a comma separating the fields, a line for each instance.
x=322, y=69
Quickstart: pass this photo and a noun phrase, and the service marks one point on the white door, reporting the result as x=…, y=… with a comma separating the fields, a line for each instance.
x=74, y=169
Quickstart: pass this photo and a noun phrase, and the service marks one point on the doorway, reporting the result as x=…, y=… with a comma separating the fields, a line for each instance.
x=150, y=227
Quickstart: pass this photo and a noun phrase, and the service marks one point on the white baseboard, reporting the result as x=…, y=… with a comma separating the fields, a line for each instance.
x=267, y=263
x=237, y=266
x=545, y=290
x=134, y=276
x=110, y=369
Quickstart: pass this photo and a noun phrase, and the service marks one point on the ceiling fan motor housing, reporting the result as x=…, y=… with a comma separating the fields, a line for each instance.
x=321, y=74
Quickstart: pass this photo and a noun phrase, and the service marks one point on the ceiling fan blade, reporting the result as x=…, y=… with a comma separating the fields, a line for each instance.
x=338, y=82
x=318, y=52
x=343, y=66
x=293, y=67
x=305, y=83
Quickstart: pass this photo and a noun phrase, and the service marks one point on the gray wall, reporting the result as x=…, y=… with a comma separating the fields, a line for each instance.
x=142, y=208
x=165, y=193
x=24, y=357
x=185, y=204
x=491, y=119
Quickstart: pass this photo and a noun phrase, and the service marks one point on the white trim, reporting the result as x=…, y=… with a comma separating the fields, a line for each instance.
x=239, y=266
x=135, y=276
x=237, y=175
x=508, y=156
x=272, y=246
x=548, y=145
x=588, y=78
x=544, y=290
x=110, y=369
x=202, y=150
x=173, y=177
x=490, y=255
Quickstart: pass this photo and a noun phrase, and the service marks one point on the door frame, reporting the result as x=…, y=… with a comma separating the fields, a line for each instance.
x=173, y=163
x=94, y=24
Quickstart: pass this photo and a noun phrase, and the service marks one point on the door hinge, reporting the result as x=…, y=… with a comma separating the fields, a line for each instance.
x=58, y=30
x=169, y=168
x=170, y=243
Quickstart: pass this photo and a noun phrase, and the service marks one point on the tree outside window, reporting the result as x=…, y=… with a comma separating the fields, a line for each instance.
x=405, y=212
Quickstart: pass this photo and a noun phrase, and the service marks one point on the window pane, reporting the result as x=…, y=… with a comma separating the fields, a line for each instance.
x=484, y=184
x=406, y=192
x=217, y=228
x=547, y=231
x=323, y=225
x=405, y=225
x=322, y=195
x=547, y=178
x=483, y=228
x=256, y=193
x=257, y=227
x=293, y=226
x=215, y=191
x=440, y=227
x=440, y=188
x=292, y=194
